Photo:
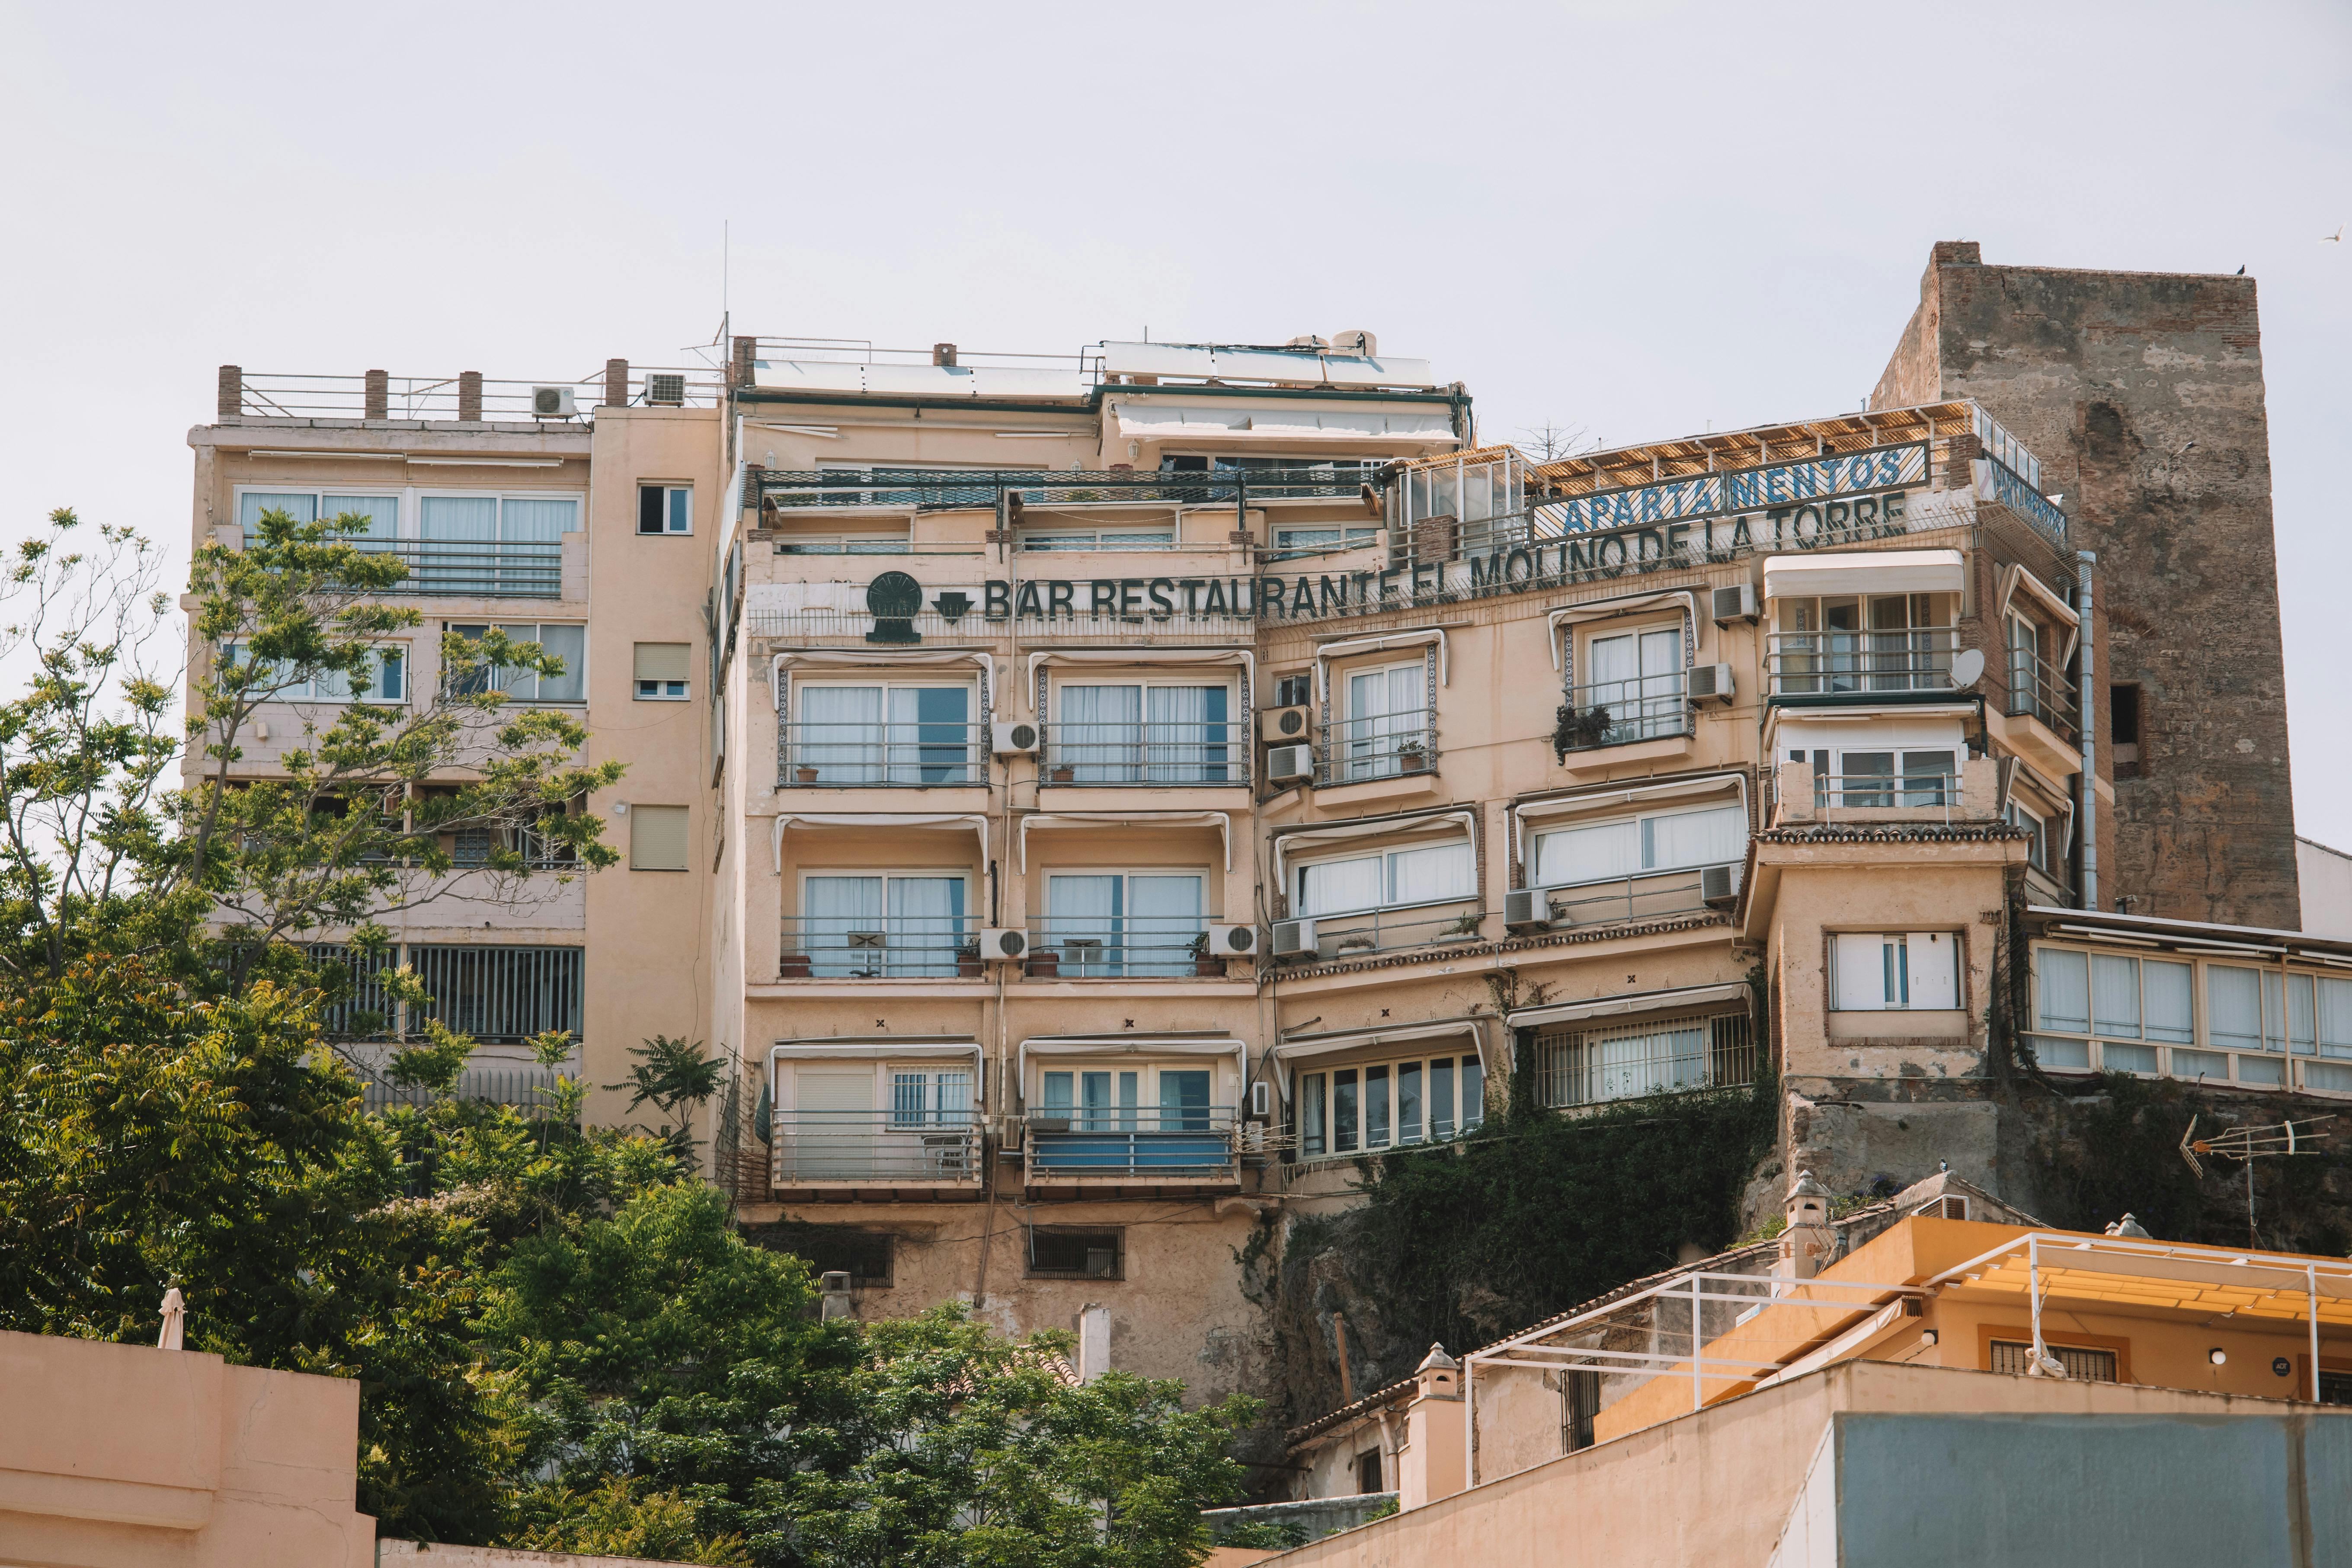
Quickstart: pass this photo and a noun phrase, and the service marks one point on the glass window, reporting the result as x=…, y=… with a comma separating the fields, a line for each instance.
x=1661, y=841
x=1183, y=1099
x=1311, y=1135
x=884, y=734
x=1441, y=1098
x=1387, y=721
x=2064, y=989
x=923, y=1097
x=387, y=681
x=2167, y=999
x=1637, y=677
x=1888, y=970
x=2335, y=1016
x=1345, y=1123
x=1143, y=734
x=1386, y=1105
x=1430, y=874
x=2114, y=996
x=862, y=927
x=1113, y=923
x=2233, y=1006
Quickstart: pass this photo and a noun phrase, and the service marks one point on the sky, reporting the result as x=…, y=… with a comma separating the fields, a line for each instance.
x=1636, y=220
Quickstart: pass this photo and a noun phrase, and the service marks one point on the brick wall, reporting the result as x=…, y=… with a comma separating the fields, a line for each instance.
x=2108, y=377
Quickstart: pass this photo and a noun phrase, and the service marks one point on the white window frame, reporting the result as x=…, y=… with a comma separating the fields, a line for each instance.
x=1236, y=744
x=1676, y=707
x=1552, y=827
x=374, y=699
x=1341, y=764
x=1903, y=1004
x=1048, y=921
x=662, y=690
x=971, y=917
x=1300, y=866
x=401, y=495
x=1353, y=536
x=2037, y=853
x=1117, y=1117
x=1316, y=1100
x=671, y=491
x=974, y=762
x=1110, y=538
x=496, y=672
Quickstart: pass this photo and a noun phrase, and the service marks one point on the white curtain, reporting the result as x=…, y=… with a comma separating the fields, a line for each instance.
x=382, y=514
x=1686, y=838
x=461, y=535
x=1337, y=886
x=1384, y=716
x=926, y=924
x=2234, y=1001
x=2335, y=1016
x=471, y=520
x=1650, y=1063
x=2065, y=991
x=1424, y=876
x=1588, y=853
x=841, y=733
x=1100, y=732
x=836, y=907
x=2167, y=1000
x=253, y=503
x=1083, y=911
x=538, y=521
x=2114, y=996
x=1183, y=745
x=569, y=644
x=1163, y=915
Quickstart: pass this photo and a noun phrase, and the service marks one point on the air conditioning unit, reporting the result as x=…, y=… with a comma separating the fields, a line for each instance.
x=1527, y=909
x=1711, y=682
x=667, y=388
x=1232, y=942
x=1735, y=603
x=1289, y=765
x=1294, y=938
x=1282, y=724
x=1012, y=737
x=1004, y=946
x=552, y=403
x=1718, y=884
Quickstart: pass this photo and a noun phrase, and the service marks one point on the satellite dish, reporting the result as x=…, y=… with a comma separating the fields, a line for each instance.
x=1967, y=667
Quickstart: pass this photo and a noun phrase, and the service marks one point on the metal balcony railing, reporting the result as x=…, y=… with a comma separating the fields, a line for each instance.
x=879, y=947
x=518, y=569
x=1156, y=1143
x=1619, y=899
x=1210, y=752
x=508, y=993
x=1840, y=663
x=1095, y=947
x=914, y=754
x=2037, y=690
x=1344, y=936
x=918, y=1146
x=1379, y=746
x=528, y=1089
x=932, y=490
x=1624, y=1061
x=1934, y=793
x=1618, y=712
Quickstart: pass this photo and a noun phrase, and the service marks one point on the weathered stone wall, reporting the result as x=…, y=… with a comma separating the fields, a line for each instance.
x=2142, y=394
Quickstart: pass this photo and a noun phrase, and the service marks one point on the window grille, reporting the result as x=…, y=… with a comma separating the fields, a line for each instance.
x=500, y=992
x=364, y=1009
x=2013, y=1356
x=1652, y=1056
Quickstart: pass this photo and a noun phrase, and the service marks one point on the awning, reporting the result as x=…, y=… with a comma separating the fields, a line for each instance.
x=1419, y=636
x=1220, y=820
x=1287, y=1051
x=871, y=1049
x=1241, y=656
x=1124, y=1045
x=2053, y=604
x=1466, y=819
x=1865, y=572
x=889, y=819
x=1608, y=609
x=1272, y=422
x=1527, y=811
x=1636, y=1002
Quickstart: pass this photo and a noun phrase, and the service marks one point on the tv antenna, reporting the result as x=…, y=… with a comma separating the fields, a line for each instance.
x=2248, y=1144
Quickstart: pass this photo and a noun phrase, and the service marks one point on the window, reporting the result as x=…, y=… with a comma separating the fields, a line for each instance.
x=864, y=926
x=382, y=511
x=1144, y=734
x=1664, y=840
x=661, y=669
x=1068, y=538
x=492, y=544
x=1626, y=1061
x=665, y=509
x=2037, y=836
x=2035, y=687
x=1059, y=1252
x=1637, y=680
x=1894, y=776
x=1387, y=726
x=898, y=542
x=498, y=992
x=1885, y=642
x=1271, y=476
x=930, y=1097
x=1579, y=1398
x=2123, y=729
x=657, y=839
x=1144, y=1099
x=885, y=734
x=565, y=641
x=1289, y=543
x=1355, y=1109
x=1294, y=691
x=387, y=681
x=2081, y=1364
x=1118, y=922
x=1367, y=1472
x=1430, y=874
x=862, y=1255
x=1879, y=972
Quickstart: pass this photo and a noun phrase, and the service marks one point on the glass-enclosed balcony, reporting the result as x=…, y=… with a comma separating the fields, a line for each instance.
x=1860, y=664
x=919, y=1146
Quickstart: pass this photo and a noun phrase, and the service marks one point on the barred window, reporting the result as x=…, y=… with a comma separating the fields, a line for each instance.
x=1623, y=1061
x=2083, y=1365
x=500, y=993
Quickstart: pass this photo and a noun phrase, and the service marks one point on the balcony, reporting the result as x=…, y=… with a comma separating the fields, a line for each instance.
x=1380, y=746
x=488, y=570
x=1142, y=1144
x=1079, y=947
x=1803, y=796
x=921, y=754
x=1157, y=755
x=1855, y=666
x=879, y=947
x=1338, y=938
x=2037, y=690
x=1627, y=1061
x=933, y=489
x=1648, y=896
x=1622, y=712
x=852, y=1149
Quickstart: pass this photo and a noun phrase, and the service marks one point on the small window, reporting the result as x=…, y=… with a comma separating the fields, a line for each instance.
x=1293, y=691
x=2081, y=1364
x=1367, y=1472
x=660, y=670
x=665, y=509
x=1058, y=1253
x=862, y=1255
x=1894, y=971
x=2123, y=729
x=1580, y=1402
x=657, y=838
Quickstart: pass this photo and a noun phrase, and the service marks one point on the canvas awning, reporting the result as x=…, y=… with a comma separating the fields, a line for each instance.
x=1220, y=820
x=1864, y=572
x=1632, y=1002
x=881, y=819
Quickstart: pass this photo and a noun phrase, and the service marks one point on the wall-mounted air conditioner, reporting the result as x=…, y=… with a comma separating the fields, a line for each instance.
x=552, y=403
x=1282, y=724
x=1294, y=938
x=1004, y=946
x=1711, y=683
x=1527, y=909
x=1735, y=603
x=1013, y=738
x=1289, y=765
x=1719, y=884
x=1232, y=942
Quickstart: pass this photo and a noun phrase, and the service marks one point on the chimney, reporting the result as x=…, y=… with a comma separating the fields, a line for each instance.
x=469, y=396
x=834, y=1300
x=232, y=392
x=1094, y=1343
x=1961, y=450
x=617, y=383
x=379, y=395
x=1808, y=1246
x=1434, y=1462
x=1956, y=253
x=742, y=361
x=943, y=354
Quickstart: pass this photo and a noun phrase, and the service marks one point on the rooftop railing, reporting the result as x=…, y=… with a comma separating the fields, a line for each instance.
x=1619, y=712
x=1860, y=663
x=912, y=755
x=467, y=397
x=920, y=1146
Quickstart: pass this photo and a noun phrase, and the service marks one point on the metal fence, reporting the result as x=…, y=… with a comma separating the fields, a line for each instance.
x=1626, y=1061
x=491, y=570
x=1620, y=900
x=1836, y=663
x=879, y=947
x=1936, y=790
x=2037, y=690
x=932, y=490
x=1168, y=753
x=1379, y=746
x=1342, y=936
x=913, y=754
x=1617, y=712
x=1082, y=947
x=277, y=394
x=505, y=993
x=526, y=1089
x=1149, y=1141
x=921, y=1146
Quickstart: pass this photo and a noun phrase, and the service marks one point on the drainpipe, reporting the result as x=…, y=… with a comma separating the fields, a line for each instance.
x=2085, y=713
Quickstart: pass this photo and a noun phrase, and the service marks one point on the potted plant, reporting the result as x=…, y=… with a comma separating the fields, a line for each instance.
x=1363, y=940
x=1465, y=926
x=1044, y=963
x=1061, y=773
x=793, y=966
x=1204, y=962
x=805, y=773
x=1575, y=730
x=1410, y=758
x=968, y=959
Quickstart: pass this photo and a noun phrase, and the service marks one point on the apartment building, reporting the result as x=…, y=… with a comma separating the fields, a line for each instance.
x=1095, y=801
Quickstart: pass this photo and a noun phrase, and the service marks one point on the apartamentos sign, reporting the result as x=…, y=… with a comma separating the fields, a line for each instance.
x=1789, y=485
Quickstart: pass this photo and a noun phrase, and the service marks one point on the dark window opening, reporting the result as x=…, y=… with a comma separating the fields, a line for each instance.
x=2123, y=729
x=862, y=1255
x=1581, y=1399
x=2081, y=1363
x=1293, y=691
x=2335, y=1387
x=1057, y=1254
x=1368, y=1471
